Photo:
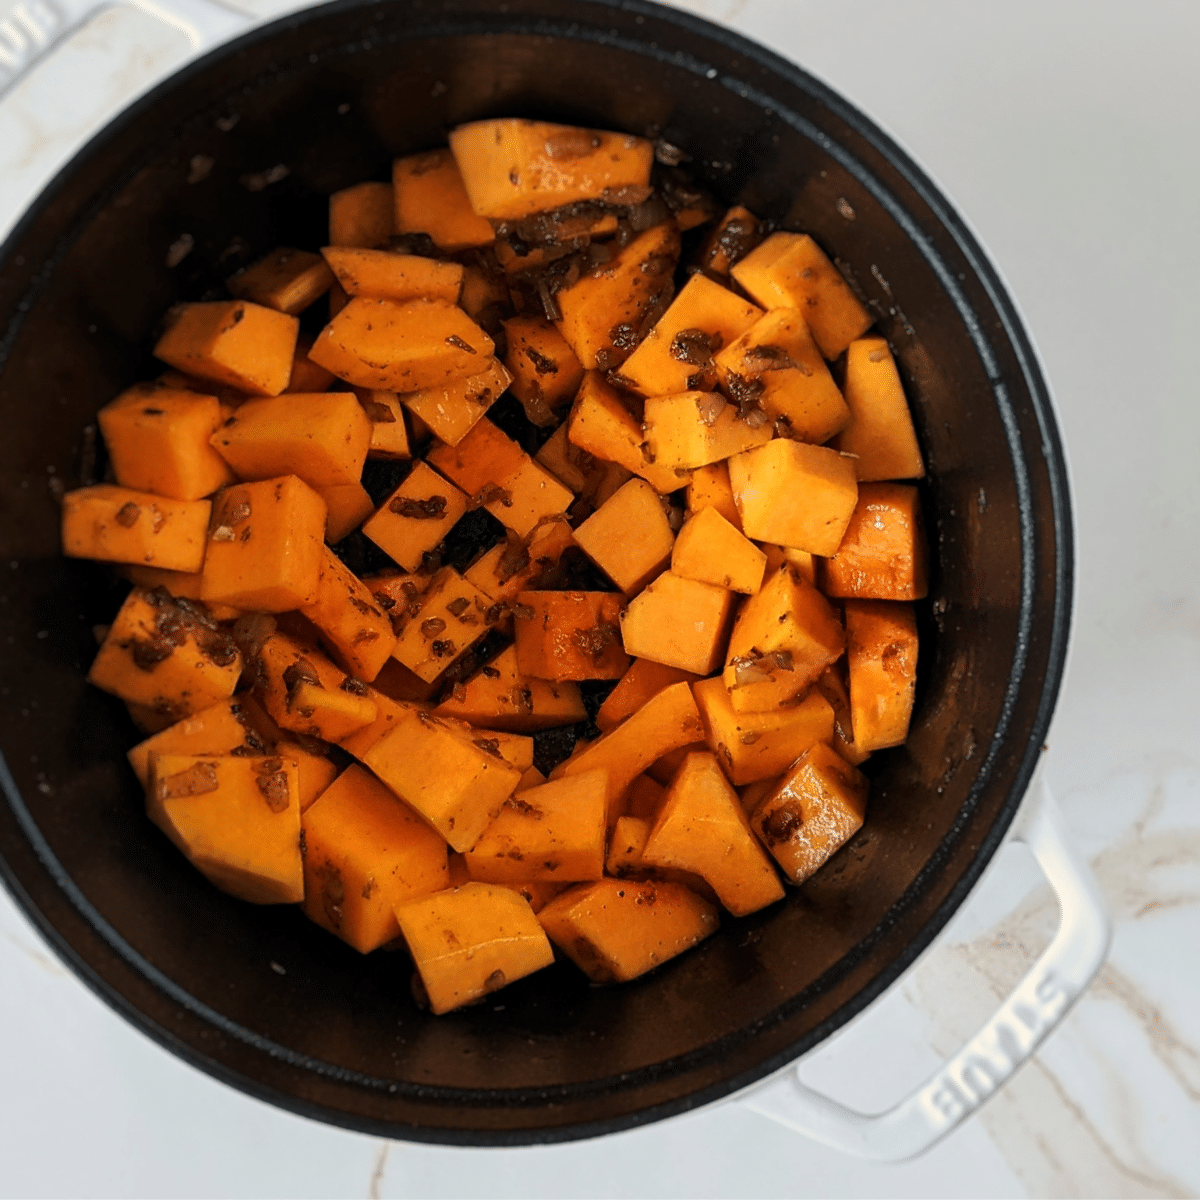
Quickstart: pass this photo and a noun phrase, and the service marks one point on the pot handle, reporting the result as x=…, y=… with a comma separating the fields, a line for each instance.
x=1038, y=1004
x=31, y=29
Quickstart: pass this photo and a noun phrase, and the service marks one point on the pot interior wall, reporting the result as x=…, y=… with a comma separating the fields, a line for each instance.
x=333, y=95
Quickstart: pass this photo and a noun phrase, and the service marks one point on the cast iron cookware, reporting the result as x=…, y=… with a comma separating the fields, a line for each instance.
x=332, y=94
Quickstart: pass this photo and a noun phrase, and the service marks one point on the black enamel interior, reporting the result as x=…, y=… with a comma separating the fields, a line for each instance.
x=83, y=284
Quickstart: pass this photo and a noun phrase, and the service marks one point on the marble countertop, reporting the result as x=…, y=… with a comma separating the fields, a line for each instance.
x=1068, y=135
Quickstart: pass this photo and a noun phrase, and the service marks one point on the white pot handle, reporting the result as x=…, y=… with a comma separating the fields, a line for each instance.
x=31, y=29
x=1040, y=1001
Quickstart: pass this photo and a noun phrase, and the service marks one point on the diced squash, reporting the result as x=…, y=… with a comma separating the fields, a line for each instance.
x=616, y=929
x=365, y=852
x=555, y=832
x=880, y=434
x=803, y=563
x=882, y=555
x=881, y=650
x=457, y=785
x=306, y=375
x=832, y=684
x=401, y=347
x=347, y=506
x=607, y=312
x=519, y=565
x=753, y=794
x=628, y=537
x=569, y=635
x=644, y=680
x=662, y=770
x=244, y=345
x=794, y=494
x=236, y=819
x=531, y=779
x=512, y=168
x=387, y=276
x=470, y=941
x=451, y=618
x=710, y=550
x=389, y=434
x=116, y=524
x=498, y=696
x=593, y=480
x=484, y=294
x=694, y=429
x=453, y=409
x=430, y=198
x=322, y=437
x=701, y=827
x=736, y=234
x=754, y=746
x=164, y=654
x=624, y=858
x=817, y=808
x=331, y=715
x=158, y=441
x=416, y=516
x=777, y=365
x=184, y=585
x=644, y=800
x=220, y=729
x=679, y=622
x=286, y=280
x=709, y=487
x=676, y=354
x=789, y=270
x=388, y=714
x=397, y=682
x=362, y=215
x=545, y=372
x=266, y=542
x=514, y=748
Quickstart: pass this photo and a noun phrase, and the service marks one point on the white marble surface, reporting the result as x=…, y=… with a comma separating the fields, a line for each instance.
x=1068, y=134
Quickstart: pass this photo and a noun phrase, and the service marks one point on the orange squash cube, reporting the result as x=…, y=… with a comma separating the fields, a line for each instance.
x=803, y=563
x=592, y=479
x=484, y=292
x=362, y=215
x=736, y=234
x=710, y=550
x=643, y=681
x=451, y=618
x=628, y=537
x=116, y=524
x=882, y=555
x=358, y=631
x=880, y=434
x=416, y=516
x=306, y=375
x=286, y=280
x=387, y=276
x=662, y=770
x=430, y=198
x=545, y=372
x=569, y=635
x=643, y=802
x=389, y=434
x=881, y=650
x=347, y=506
x=709, y=487
x=389, y=712
x=520, y=564
x=832, y=684
x=452, y=410
x=694, y=429
x=331, y=715
x=679, y=622
x=183, y=585
x=220, y=729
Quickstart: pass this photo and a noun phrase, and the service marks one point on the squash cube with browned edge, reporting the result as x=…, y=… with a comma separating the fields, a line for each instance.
x=735, y=235
x=776, y=365
x=694, y=429
x=709, y=487
x=709, y=549
x=220, y=729
x=545, y=372
x=236, y=819
x=679, y=622
x=347, y=506
x=453, y=409
x=158, y=441
x=116, y=524
x=616, y=929
x=387, y=276
x=789, y=270
x=286, y=280
x=555, y=832
x=365, y=852
x=498, y=696
x=167, y=655
x=358, y=631
x=416, y=516
x=266, y=542
x=401, y=347
x=520, y=564
x=794, y=494
x=244, y=345
x=451, y=618
x=833, y=684
x=362, y=215
x=817, y=808
x=701, y=828
x=628, y=537
x=431, y=199
x=881, y=651
x=569, y=635
x=641, y=683
x=470, y=941
x=757, y=745
x=882, y=555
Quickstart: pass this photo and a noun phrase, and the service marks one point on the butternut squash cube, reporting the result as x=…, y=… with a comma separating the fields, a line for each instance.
x=794, y=495
x=803, y=563
x=397, y=682
x=520, y=564
x=679, y=350
x=167, y=655
x=643, y=681
x=643, y=802
x=832, y=684
x=416, y=516
x=758, y=745
x=815, y=811
x=331, y=715
x=362, y=215
x=569, y=635
x=498, y=696
x=701, y=828
x=531, y=779
x=615, y=929
x=457, y=785
x=882, y=555
x=696, y=428
x=430, y=198
x=347, y=506
x=881, y=651
x=628, y=537
x=789, y=270
x=322, y=437
x=545, y=372
x=710, y=550
x=514, y=748
x=555, y=832
x=601, y=425
x=389, y=434
x=679, y=622
x=366, y=852
x=401, y=347
x=777, y=364
x=244, y=345
x=592, y=479
x=625, y=847
x=286, y=280
x=236, y=819
x=483, y=291
x=709, y=487
x=220, y=729
x=306, y=375
x=358, y=631
x=389, y=712
x=736, y=234
x=183, y=585
x=605, y=313
x=662, y=770
x=387, y=276
x=512, y=168
x=266, y=542
x=450, y=620
x=470, y=941
x=116, y=524
x=158, y=441
x=453, y=409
